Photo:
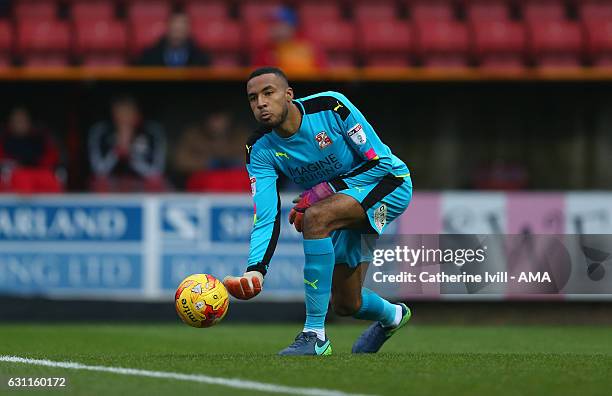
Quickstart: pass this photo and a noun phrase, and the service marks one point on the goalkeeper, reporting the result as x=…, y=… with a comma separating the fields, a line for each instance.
x=354, y=185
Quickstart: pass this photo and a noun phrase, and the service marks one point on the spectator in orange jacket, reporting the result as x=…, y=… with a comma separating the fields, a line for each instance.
x=288, y=49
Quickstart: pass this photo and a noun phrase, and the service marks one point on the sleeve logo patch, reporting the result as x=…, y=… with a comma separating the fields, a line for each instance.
x=380, y=217
x=357, y=134
x=253, y=186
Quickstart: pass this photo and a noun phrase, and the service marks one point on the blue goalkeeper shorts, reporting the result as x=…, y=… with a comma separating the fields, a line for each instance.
x=382, y=202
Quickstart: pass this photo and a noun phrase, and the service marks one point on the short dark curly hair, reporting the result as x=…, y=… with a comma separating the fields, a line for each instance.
x=268, y=70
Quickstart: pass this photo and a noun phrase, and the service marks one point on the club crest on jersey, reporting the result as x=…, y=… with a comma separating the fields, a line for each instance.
x=253, y=186
x=323, y=139
x=357, y=134
x=380, y=217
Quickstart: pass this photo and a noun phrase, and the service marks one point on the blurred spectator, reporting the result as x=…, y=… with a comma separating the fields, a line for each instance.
x=190, y=154
x=29, y=158
x=287, y=48
x=176, y=48
x=211, y=157
x=128, y=153
x=226, y=142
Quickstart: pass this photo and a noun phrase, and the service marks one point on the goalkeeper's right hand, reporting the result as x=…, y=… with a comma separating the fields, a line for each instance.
x=246, y=286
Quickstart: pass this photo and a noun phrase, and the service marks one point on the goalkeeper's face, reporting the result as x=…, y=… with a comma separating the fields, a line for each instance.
x=269, y=96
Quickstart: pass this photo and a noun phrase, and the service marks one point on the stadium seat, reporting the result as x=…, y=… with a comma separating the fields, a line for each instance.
x=5, y=60
x=101, y=43
x=104, y=60
x=487, y=10
x=43, y=43
x=598, y=36
x=144, y=11
x=317, y=11
x=543, y=10
x=336, y=40
x=442, y=43
x=258, y=10
x=6, y=43
x=221, y=180
x=555, y=43
x=595, y=10
x=219, y=35
x=203, y=10
x=222, y=38
x=6, y=36
x=34, y=10
x=43, y=60
x=498, y=43
x=32, y=181
x=368, y=10
x=144, y=34
x=425, y=10
x=92, y=10
x=385, y=43
x=258, y=35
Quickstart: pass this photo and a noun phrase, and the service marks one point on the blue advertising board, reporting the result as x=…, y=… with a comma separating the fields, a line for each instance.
x=136, y=247
x=69, y=221
x=81, y=273
x=139, y=247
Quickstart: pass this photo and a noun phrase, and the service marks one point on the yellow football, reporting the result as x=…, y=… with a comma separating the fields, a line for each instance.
x=201, y=300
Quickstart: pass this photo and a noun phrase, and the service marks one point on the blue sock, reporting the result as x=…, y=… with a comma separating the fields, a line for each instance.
x=374, y=307
x=318, y=272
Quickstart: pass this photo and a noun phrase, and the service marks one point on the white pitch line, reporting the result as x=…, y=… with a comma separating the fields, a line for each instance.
x=229, y=382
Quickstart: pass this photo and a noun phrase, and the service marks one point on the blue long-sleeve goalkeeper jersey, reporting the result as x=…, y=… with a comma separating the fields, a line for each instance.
x=335, y=143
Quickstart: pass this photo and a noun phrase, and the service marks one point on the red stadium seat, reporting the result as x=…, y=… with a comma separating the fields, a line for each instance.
x=104, y=60
x=385, y=43
x=222, y=38
x=5, y=60
x=92, y=10
x=599, y=41
x=595, y=10
x=103, y=35
x=425, y=10
x=555, y=43
x=43, y=43
x=258, y=10
x=487, y=10
x=148, y=10
x=222, y=180
x=498, y=43
x=202, y=10
x=32, y=181
x=442, y=43
x=218, y=35
x=45, y=60
x=6, y=42
x=258, y=35
x=368, y=10
x=144, y=34
x=6, y=36
x=101, y=43
x=317, y=11
x=543, y=10
x=335, y=39
x=34, y=9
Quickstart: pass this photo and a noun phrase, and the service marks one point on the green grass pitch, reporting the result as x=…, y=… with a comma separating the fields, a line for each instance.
x=419, y=360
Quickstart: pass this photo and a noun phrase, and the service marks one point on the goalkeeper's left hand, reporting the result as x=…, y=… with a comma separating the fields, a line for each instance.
x=305, y=201
x=246, y=286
